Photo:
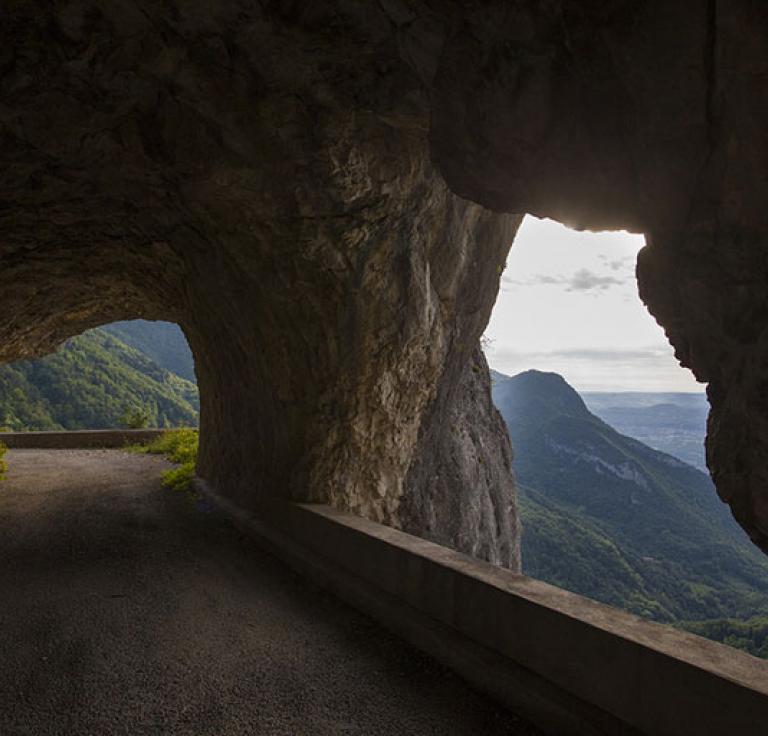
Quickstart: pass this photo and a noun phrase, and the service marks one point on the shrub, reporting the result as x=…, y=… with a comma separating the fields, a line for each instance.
x=179, y=479
x=180, y=447
x=135, y=418
x=3, y=462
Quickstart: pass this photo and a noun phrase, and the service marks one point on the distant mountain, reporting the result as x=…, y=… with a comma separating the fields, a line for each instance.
x=162, y=342
x=90, y=383
x=675, y=423
x=600, y=400
x=609, y=517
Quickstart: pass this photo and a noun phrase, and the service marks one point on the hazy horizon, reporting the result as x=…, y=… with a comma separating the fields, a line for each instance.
x=568, y=303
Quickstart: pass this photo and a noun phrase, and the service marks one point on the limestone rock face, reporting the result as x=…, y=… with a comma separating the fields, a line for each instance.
x=316, y=193
x=464, y=444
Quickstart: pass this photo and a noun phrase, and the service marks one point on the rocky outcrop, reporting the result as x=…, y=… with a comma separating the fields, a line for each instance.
x=464, y=445
x=273, y=177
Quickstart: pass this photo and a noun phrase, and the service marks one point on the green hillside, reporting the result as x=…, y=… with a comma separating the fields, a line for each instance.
x=608, y=517
x=750, y=635
x=162, y=342
x=595, y=565
x=90, y=383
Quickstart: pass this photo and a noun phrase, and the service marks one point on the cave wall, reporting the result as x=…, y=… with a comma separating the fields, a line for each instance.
x=319, y=194
x=262, y=176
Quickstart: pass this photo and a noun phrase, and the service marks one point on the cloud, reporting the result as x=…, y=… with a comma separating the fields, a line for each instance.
x=581, y=280
x=602, y=355
x=613, y=354
x=651, y=368
x=585, y=280
x=618, y=263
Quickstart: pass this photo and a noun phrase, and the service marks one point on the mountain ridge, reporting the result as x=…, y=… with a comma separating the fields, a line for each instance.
x=162, y=342
x=653, y=522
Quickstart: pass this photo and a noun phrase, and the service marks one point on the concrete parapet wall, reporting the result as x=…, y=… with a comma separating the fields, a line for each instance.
x=78, y=439
x=570, y=664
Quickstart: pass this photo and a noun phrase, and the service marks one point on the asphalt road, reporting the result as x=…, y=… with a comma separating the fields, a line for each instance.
x=126, y=610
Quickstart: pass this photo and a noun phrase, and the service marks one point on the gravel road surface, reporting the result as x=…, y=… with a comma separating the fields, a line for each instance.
x=126, y=610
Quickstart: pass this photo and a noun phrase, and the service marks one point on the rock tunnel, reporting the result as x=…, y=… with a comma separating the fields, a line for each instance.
x=323, y=196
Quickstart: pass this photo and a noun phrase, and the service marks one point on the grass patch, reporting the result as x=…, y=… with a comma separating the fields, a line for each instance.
x=180, y=447
x=3, y=462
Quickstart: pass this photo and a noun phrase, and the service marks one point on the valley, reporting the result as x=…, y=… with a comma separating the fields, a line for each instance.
x=675, y=423
x=609, y=517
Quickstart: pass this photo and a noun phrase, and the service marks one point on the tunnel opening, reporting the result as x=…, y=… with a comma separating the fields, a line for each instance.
x=608, y=432
x=129, y=374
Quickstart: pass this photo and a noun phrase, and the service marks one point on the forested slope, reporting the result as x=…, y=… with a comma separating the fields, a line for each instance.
x=608, y=517
x=91, y=383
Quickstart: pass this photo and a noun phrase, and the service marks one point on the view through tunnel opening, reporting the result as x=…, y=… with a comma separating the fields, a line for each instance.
x=608, y=432
x=132, y=374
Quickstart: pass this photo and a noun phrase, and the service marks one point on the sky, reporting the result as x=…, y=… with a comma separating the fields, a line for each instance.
x=568, y=303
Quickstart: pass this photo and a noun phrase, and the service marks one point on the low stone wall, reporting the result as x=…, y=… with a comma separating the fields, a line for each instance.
x=90, y=438
x=570, y=664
